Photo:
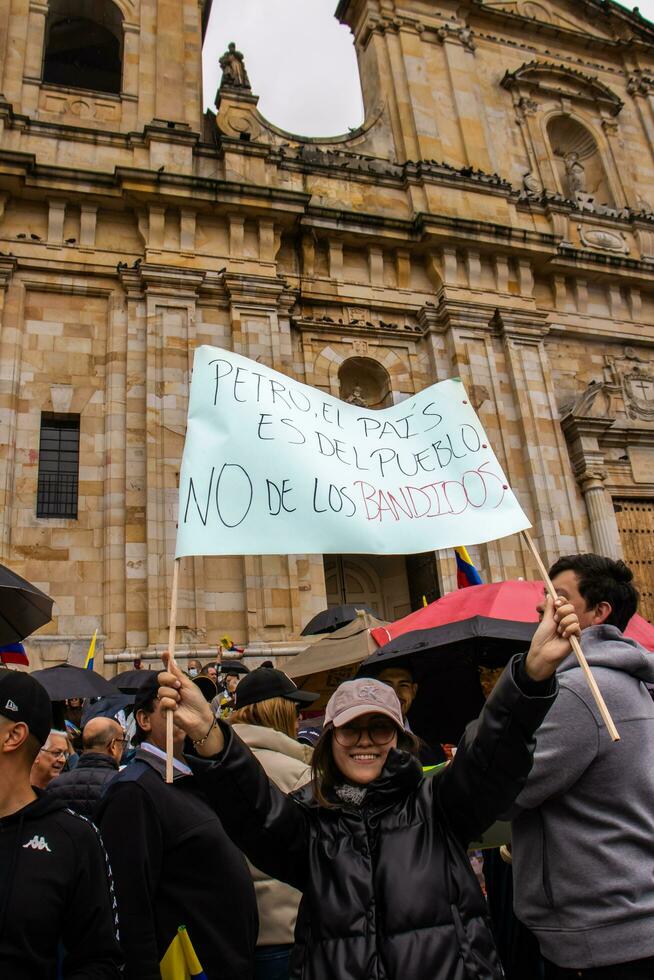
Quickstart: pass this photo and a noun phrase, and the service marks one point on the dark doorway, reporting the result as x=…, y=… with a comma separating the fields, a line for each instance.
x=422, y=578
x=82, y=54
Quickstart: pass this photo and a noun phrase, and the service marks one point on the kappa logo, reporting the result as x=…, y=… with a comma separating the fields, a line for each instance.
x=10, y=706
x=38, y=844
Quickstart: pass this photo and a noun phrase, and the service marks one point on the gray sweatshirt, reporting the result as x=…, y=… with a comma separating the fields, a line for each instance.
x=583, y=828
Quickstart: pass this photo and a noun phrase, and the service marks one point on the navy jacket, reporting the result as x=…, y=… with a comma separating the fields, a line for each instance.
x=174, y=865
x=81, y=789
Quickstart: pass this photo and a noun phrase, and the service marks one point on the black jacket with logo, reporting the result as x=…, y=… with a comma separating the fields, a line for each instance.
x=174, y=865
x=81, y=789
x=57, y=912
x=388, y=891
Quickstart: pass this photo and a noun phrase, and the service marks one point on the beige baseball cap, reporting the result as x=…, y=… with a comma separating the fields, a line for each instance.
x=362, y=696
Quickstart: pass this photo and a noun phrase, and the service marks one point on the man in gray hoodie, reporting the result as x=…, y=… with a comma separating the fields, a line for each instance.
x=583, y=827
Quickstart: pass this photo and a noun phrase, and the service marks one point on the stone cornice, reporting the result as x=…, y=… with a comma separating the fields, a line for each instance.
x=360, y=328
x=541, y=76
x=170, y=280
x=558, y=32
x=529, y=325
x=252, y=290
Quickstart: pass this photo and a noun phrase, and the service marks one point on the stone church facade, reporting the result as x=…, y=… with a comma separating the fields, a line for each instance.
x=493, y=219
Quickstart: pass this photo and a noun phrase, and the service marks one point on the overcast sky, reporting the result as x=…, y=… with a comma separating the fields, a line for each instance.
x=300, y=61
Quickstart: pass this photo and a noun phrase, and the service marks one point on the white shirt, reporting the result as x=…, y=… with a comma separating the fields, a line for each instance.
x=180, y=766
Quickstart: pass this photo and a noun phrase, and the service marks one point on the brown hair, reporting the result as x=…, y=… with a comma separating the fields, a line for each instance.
x=325, y=773
x=276, y=713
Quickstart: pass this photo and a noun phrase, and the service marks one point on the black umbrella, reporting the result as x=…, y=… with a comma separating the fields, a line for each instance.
x=330, y=620
x=66, y=681
x=23, y=607
x=445, y=664
x=131, y=681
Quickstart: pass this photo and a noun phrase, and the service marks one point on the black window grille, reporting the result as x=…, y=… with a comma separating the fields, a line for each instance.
x=58, y=466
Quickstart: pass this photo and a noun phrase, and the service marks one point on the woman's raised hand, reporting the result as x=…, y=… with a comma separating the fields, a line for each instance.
x=193, y=714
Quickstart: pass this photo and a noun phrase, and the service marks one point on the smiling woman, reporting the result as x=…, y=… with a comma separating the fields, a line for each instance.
x=377, y=849
x=300, y=60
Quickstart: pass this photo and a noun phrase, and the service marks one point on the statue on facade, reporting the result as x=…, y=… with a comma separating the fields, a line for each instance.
x=233, y=66
x=356, y=398
x=576, y=174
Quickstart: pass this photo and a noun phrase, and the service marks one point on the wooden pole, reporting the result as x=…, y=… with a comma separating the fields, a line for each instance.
x=171, y=651
x=574, y=643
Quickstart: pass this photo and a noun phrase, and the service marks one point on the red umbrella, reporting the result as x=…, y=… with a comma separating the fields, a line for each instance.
x=509, y=602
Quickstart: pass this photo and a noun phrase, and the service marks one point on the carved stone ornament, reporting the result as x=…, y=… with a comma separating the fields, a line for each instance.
x=640, y=82
x=633, y=377
x=526, y=106
x=356, y=397
x=606, y=241
x=456, y=32
x=639, y=394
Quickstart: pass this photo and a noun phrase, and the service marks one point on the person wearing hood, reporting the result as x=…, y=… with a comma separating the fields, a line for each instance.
x=583, y=827
x=56, y=897
x=377, y=849
x=265, y=717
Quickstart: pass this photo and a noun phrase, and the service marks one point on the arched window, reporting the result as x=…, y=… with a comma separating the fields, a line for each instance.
x=364, y=381
x=578, y=161
x=84, y=45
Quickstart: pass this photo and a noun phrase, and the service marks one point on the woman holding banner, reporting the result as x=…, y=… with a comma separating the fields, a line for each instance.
x=377, y=849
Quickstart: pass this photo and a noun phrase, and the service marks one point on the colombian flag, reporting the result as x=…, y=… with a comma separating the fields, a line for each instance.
x=466, y=573
x=14, y=653
x=180, y=961
x=90, y=656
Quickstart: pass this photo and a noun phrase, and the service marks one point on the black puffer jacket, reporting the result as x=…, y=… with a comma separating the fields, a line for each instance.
x=388, y=892
x=81, y=789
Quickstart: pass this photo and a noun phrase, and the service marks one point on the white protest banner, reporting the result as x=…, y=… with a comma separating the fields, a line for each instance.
x=273, y=466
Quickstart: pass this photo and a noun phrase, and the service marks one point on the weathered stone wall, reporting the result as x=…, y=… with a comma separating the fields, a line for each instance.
x=444, y=237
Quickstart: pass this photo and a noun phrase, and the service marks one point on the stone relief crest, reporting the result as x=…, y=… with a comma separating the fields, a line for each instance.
x=639, y=393
x=635, y=377
x=626, y=390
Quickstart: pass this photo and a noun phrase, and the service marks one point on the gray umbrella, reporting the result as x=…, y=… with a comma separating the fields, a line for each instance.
x=23, y=607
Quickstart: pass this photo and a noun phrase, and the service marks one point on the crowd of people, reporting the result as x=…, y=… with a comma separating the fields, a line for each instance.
x=346, y=860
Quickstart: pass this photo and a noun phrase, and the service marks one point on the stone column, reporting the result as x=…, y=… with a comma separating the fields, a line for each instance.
x=641, y=88
x=282, y=591
x=12, y=300
x=170, y=300
x=603, y=525
x=115, y=473
x=35, y=40
x=459, y=49
x=135, y=556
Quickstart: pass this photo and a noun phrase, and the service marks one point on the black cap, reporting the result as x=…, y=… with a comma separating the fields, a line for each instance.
x=22, y=698
x=266, y=682
x=147, y=691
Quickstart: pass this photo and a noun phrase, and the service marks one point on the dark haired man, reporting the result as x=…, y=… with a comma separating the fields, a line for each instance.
x=171, y=860
x=583, y=832
x=398, y=675
x=56, y=908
